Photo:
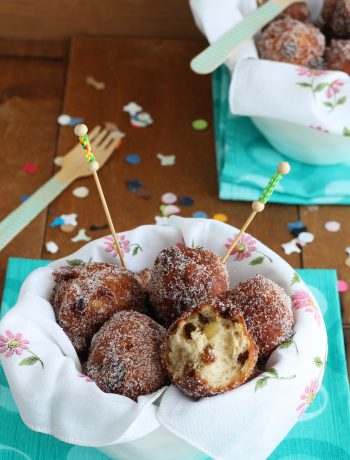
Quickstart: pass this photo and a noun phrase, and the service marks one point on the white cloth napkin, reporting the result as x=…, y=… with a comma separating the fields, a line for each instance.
x=246, y=423
x=275, y=90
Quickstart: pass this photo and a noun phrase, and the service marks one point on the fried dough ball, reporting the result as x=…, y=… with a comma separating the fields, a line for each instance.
x=208, y=350
x=183, y=278
x=337, y=56
x=298, y=11
x=125, y=355
x=267, y=311
x=86, y=296
x=289, y=40
x=336, y=14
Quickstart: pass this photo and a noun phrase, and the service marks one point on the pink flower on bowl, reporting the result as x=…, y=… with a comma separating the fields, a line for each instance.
x=302, y=300
x=334, y=88
x=306, y=72
x=244, y=248
x=85, y=377
x=11, y=343
x=307, y=397
x=110, y=245
x=181, y=244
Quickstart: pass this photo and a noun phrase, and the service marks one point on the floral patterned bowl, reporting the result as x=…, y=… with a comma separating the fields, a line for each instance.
x=54, y=397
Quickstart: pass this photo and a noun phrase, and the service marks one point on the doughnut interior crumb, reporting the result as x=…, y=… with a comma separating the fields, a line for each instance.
x=215, y=347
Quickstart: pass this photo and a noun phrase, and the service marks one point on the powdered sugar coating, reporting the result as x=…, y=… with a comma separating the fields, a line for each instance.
x=337, y=56
x=191, y=380
x=289, y=40
x=267, y=311
x=298, y=11
x=125, y=356
x=336, y=14
x=86, y=296
x=183, y=278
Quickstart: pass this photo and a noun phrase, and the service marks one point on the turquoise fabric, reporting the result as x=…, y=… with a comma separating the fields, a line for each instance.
x=246, y=161
x=322, y=433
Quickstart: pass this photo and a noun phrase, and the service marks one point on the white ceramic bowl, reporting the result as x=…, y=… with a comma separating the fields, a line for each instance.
x=65, y=410
x=304, y=144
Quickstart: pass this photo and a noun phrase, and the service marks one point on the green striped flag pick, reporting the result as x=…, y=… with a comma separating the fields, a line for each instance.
x=218, y=52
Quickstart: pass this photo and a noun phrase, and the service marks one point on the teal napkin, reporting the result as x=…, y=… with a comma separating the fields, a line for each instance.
x=322, y=432
x=246, y=161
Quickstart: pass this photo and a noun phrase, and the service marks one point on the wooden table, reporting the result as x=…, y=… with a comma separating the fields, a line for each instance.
x=38, y=82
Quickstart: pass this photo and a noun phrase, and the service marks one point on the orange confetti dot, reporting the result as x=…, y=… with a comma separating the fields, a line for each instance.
x=220, y=217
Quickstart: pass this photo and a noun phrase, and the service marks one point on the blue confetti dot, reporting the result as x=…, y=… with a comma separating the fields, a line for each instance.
x=200, y=214
x=58, y=221
x=24, y=198
x=133, y=159
x=133, y=185
x=295, y=225
x=186, y=201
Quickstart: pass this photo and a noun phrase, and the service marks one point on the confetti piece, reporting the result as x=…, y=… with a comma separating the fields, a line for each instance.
x=23, y=198
x=291, y=247
x=161, y=220
x=95, y=228
x=169, y=198
x=297, y=224
x=67, y=120
x=220, y=217
x=81, y=192
x=81, y=236
x=67, y=228
x=200, y=214
x=332, y=226
x=141, y=120
x=143, y=192
x=58, y=160
x=200, y=124
x=133, y=185
x=166, y=160
x=347, y=262
x=132, y=108
x=169, y=209
x=57, y=222
x=99, y=85
x=186, y=201
x=70, y=219
x=29, y=168
x=133, y=159
x=347, y=250
x=342, y=286
x=51, y=247
x=296, y=232
x=305, y=238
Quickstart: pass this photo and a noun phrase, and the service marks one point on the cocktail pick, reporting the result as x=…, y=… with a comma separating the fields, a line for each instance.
x=259, y=205
x=93, y=166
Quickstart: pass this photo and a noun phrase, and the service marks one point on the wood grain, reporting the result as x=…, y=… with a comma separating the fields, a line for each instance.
x=60, y=19
x=155, y=74
x=31, y=91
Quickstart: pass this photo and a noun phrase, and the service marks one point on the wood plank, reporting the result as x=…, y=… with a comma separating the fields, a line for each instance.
x=50, y=49
x=328, y=249
x=30, y=100
x=155, y=74
x=39, y=19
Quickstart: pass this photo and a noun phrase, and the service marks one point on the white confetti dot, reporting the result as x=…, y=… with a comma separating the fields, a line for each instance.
x=51, y=247
x=63, y=120
x=58, y=160
x=306, y=237
x=81, y=236
x=169, y=198
x=332, y=226
x=170, y=209
x=81, y=192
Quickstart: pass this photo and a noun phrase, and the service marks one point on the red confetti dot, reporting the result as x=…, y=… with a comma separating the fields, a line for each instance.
x=29, y=168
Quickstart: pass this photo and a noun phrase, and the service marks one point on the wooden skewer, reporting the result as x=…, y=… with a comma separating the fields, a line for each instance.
x=93, y=166
x=259, y=205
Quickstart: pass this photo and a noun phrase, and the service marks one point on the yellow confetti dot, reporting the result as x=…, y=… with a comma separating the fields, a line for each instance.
x=220, y=217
